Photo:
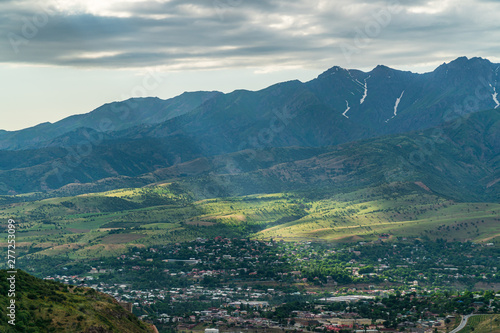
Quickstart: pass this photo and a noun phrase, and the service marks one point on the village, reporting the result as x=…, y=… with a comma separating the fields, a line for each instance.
x=233, y=284
x=246, y=309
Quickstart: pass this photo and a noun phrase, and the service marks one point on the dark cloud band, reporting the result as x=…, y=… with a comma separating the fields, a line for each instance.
x=233, y=33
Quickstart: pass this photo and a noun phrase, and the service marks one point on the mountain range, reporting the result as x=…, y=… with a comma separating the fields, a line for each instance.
x=346, y=128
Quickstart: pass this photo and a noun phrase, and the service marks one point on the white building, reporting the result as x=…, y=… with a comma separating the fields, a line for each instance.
x=211, y=330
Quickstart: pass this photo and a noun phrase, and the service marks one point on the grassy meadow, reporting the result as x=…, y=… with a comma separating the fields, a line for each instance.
x=108, y=223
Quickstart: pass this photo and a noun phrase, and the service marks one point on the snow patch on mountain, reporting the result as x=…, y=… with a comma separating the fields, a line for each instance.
x=354, y=79
x=397, y=104
x=495, y=96
x=346, y=110
x=366, y=92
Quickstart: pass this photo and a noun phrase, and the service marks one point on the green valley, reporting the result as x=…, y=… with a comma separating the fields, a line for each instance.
x=108, y=223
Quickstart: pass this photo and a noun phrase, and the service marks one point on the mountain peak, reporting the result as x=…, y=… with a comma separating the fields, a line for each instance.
x=332, y=71
x=382, y=68
x=382, y=71
x=477, y=65
x=460, y=60
x=464, y=62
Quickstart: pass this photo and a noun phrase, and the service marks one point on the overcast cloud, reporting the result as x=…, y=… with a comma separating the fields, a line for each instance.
x=62, y=57
x=206, y=34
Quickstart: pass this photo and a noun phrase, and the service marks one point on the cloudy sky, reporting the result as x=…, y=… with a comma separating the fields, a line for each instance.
x=63, y=57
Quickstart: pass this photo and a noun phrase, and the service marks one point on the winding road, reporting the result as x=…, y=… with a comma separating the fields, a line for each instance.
x=462, y=324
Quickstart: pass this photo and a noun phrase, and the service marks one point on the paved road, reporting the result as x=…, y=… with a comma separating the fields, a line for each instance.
x=462, y=324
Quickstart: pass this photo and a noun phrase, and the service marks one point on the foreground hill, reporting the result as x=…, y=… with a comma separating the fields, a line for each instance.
x=45, y=306
x=145, y=135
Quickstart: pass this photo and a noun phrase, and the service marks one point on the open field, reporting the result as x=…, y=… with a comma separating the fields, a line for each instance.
x=418, y=215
